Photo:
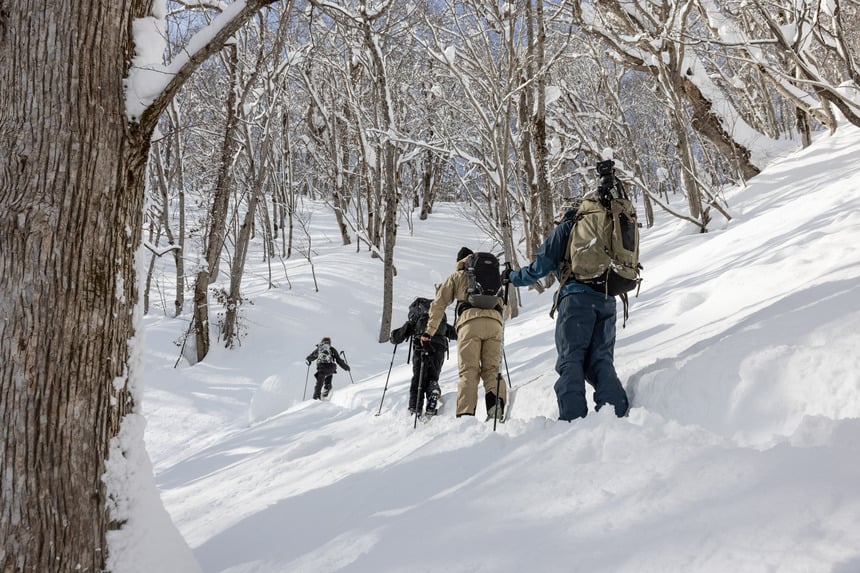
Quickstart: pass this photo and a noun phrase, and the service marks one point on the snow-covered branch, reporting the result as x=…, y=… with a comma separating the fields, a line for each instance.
x=151, y=84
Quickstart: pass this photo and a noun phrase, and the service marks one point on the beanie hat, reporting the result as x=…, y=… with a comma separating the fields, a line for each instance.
x=463, y=253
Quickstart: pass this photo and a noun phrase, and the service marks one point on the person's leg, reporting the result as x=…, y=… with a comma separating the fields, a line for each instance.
x=469, y=355
x=413, y=387
x=318, y=376
x=433, y=367
x=420, y=379
x=327, y=384
x=573, y=328
x=491, y=353
x=600, y=368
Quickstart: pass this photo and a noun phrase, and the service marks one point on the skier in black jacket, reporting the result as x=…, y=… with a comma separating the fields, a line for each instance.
x=431, y=354
x=326, y=356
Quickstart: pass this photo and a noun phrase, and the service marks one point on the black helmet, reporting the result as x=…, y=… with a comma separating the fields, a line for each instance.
x=326, y=340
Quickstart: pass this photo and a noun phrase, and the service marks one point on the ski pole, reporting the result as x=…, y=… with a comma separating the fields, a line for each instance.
x=420, y=395
x=501, y=358
x=504, y=355
x=386, y=379
x=305, y=393
x=496, y=409
x=507, y=282
x=351, y=381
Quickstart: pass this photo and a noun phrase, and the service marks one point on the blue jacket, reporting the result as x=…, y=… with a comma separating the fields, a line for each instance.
x=548, y=259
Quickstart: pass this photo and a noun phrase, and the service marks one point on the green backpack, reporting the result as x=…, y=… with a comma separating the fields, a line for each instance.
x=603, y=249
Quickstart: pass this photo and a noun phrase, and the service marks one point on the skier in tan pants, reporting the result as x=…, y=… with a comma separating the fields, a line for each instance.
x=479, y=342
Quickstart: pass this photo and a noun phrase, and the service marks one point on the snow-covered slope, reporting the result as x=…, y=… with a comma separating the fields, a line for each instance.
x=740, y=454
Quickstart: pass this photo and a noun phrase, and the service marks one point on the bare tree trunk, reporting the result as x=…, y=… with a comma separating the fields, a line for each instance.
x=71, y=215
x=339, y=210
x=531, y=218
x=386, y=169
x=72, y=169
x=691, y=186
x=230, y=332
x=427, y=181
x=803, y=122
x=208, y=272
x=392, y=200
x=179, y=254
x=288, y=195
x=154, y=236
x=709, y=126
x=649, y=209
x=539, y=132
x=163, y=185
x=341, y=194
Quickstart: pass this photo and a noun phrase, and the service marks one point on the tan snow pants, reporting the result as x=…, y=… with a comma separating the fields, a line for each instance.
x=479, y=348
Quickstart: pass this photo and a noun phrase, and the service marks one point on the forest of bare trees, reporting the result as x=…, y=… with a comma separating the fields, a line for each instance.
x=381, y=107
x=376, y=109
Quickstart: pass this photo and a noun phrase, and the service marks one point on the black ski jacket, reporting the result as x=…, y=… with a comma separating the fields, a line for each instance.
x=328, y=365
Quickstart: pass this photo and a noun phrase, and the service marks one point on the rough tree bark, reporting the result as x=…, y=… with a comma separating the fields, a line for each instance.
x=71, y=174
x=72, y=171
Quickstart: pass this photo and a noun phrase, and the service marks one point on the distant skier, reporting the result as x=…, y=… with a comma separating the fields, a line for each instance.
x=326, y=356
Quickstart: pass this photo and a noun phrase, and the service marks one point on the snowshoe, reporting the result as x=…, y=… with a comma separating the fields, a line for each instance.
x=495, y=412
x=432, y=402
x=431, y=413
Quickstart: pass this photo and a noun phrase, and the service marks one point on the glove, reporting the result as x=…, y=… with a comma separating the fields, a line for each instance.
x=425, y=339
x=346, y=367
x=308, y=362
x=506, y=276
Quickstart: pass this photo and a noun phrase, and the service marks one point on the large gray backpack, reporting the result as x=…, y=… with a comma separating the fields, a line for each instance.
x=324, y=355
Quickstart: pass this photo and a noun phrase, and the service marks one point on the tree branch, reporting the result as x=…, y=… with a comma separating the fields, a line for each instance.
x=198, y=50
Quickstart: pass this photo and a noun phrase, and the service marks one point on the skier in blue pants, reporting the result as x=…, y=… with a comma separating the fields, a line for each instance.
x=584, y=330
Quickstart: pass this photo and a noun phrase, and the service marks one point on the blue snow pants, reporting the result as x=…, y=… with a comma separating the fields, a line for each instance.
x=585, y=342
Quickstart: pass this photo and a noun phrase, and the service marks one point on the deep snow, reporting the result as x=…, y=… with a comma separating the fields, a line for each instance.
x=740, y=454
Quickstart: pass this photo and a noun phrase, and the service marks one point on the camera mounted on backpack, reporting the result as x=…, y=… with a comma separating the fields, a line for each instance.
x=610, y=186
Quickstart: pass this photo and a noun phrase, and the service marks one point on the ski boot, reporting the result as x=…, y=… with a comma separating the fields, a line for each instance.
x=432, y=403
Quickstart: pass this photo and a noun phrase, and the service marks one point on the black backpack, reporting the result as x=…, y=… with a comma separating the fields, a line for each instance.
x=419, y=313
x=485, y=280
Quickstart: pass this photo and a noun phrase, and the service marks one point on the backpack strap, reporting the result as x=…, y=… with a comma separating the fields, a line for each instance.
x=624, y=300
x=564, y=266
x=464, y=305
x=565, y=276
